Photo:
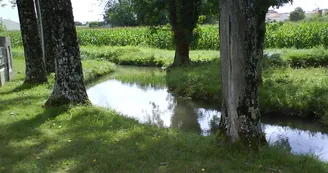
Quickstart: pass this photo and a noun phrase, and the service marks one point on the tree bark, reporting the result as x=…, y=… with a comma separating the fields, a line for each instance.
x=46, y=12
x=183, y=15
x=69, y=84
x=239, y=43
x=35, y=67
x=261, y=29
x=182, y=45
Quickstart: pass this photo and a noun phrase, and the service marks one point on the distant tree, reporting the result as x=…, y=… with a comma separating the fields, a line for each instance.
x=183, y=15
x=150, y=12
x=325, y=12
x=96, y=24
x=69, y=81
x=77, y=23
x=2, y=26
x=120, y=13
x=210, y=9
x=35, y=66
x=297, y=14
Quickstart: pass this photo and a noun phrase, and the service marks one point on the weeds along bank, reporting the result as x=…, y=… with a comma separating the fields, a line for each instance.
x=278, y=35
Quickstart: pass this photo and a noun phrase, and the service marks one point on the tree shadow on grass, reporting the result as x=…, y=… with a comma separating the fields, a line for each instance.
x=23, y=87
x=23, y=101
x=23, y=140
x=97, y=140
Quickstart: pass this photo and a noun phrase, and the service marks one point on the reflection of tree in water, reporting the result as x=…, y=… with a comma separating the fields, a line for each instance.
x=185, y=116
x=283, y=143
x=214, y=124
x=155, y=117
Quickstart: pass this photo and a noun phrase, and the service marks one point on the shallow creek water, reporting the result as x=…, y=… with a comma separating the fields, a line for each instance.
x=158, y=106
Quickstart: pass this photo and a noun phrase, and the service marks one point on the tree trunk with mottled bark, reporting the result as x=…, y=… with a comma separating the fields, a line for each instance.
x=35, y=67
x=69, y=84
x=46, y=12
x=183, y=15
x=240, y=55
x=261, y=29
x=182, y=45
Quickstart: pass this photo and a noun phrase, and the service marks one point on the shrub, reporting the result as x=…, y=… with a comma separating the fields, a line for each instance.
x=297, y=14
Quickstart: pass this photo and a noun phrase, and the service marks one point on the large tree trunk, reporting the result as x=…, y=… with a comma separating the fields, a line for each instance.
x=69, y=84
x=182, y=45
x=49, y=44
x=240, y=119
x=35, y=67
x=183, y=24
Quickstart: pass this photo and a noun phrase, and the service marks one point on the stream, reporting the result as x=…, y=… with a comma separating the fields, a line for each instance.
x=156, y=105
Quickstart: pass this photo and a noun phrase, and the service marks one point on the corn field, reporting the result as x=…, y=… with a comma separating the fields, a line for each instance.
x=278, y=35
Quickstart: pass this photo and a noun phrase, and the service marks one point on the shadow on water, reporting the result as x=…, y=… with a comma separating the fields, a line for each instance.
x=156, y=105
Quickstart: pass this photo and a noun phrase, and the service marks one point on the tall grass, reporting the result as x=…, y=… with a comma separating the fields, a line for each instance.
x=279, y=35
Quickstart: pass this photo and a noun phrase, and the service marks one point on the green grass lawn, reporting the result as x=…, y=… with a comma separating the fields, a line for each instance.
x=91, y=139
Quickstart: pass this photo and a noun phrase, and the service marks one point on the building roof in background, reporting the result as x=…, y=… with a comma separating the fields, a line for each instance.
x=277, y=16
x=10, y=25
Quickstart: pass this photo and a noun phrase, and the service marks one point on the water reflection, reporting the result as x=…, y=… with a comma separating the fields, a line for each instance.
x=157, y=106
x=184, y=116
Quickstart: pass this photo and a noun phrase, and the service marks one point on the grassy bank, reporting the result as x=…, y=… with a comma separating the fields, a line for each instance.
x=285, y=91
x=151, y=57
x=142, y=56
x=278, y=35
x=90, y=139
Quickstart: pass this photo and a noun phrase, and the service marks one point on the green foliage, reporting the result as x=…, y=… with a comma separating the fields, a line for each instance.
x=2, y=27
x=183, y=15
x=297, y=14
x=307, y=58
x=121, y=14
x=210, y=9
x=95, y=24
x=299, y=35
x=279, y=35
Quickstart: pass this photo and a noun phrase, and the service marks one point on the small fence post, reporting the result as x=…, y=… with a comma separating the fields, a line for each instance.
x=6, y=61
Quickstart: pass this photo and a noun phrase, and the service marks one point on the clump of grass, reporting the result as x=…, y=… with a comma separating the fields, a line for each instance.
x=92, y=139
